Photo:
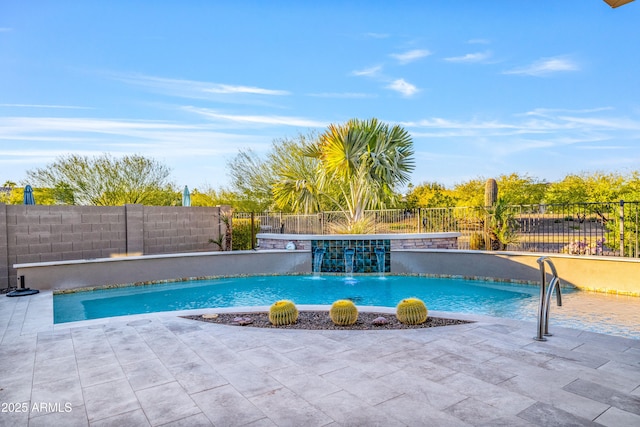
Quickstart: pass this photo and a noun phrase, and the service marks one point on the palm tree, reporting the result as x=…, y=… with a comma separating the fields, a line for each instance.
x=360, y=164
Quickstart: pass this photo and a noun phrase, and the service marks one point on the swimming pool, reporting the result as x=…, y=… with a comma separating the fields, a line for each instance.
x=442, y=294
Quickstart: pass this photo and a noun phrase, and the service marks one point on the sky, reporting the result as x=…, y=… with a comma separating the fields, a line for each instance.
x=485, y=87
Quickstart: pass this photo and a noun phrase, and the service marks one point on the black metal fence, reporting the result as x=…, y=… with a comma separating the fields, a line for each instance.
x=607, y=228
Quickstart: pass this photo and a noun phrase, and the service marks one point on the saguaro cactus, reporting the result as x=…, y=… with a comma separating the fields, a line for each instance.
x=490, y=199
x=490, y=193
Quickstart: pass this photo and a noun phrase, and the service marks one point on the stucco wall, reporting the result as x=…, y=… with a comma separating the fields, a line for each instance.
x=57, y=233
x=603, y=274
x=115, y=271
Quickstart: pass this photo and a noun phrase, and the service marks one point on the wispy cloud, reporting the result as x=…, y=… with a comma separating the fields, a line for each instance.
x=410, y=56
x=368, y=72
x=5, y=29
x=403, y=87
x=555, y=130
x=479, y=41
x=98, y=135
x=546, y=66
x=222, y=88
x=194, y=88
x=345, y=95
x=64, y=107
x=372, y=35
x=470, y=57
x=257, y=119
x=548, y=112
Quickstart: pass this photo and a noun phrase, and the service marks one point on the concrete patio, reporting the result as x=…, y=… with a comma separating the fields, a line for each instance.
x=163, y=370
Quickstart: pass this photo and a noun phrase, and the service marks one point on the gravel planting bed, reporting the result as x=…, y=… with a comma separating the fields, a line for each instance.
x=320, y=320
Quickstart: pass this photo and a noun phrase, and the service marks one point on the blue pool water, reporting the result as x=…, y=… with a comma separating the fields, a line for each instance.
x=456, y=295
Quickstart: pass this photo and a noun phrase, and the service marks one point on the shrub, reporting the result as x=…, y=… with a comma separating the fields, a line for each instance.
x=411, y=311
x=343, y=312
x=283, y=312
x=476, y=241
x=241, y=233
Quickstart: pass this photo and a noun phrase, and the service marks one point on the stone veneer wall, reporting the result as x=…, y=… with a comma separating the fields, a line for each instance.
x=439, y=243
x=396, y=244
x=301, y=245
x=39, y=233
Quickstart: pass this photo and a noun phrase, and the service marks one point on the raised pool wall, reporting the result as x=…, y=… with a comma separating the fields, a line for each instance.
x=592, y=273
x=65, y=275
x=596, y=273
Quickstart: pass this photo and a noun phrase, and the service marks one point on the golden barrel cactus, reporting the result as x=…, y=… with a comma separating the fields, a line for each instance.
x=411, y=311
x=343, y=312
x=283, y=312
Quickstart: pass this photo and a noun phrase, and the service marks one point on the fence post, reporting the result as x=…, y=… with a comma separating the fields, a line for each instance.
x=253, y=235
x=621, y=228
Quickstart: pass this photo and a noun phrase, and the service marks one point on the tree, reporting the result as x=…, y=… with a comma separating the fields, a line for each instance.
x=105, y=180
x=298, y=186
x=470, y=193
x=252, y=180
x=585, y=187
x=630, y=190
x=266, y=183
x=430, y=195
x=521, y=189
x=360, y=165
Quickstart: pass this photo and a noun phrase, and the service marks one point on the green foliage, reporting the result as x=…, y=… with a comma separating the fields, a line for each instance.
x=105, y=180
x=343, y=312
x=470, y=193
x=429, y=195
x=15, y=196
x=252, y=179
x=521, y=189
x=502, y=226
x=365, y=225
x=297, y=188
x=594, y=187
x=283, y=312
x=360, y=165
x=350, y=167
x=476, y=241
x=241, y=233
x=516, y=189
x=411, y=311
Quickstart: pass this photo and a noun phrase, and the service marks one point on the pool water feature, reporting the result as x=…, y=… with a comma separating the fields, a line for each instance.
x=595, y=312
x=318, y=254
x=349, y=254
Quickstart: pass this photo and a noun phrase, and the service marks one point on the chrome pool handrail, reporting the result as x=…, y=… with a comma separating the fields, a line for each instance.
x=545, y=297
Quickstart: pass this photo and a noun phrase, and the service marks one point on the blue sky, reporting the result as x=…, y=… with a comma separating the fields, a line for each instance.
x=485, y=87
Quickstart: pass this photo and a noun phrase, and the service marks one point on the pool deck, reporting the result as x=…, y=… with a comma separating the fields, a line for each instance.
x=163, y=370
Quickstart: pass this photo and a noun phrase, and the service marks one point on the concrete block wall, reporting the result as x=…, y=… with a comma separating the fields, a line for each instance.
x=58, y=233
x=179, y=229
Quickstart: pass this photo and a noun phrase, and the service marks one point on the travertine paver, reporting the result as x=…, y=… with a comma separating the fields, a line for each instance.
x=161, y=369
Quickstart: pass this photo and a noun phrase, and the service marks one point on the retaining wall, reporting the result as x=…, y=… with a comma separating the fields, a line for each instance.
x=66, y=275
x=593, y=273
x=36, y=233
